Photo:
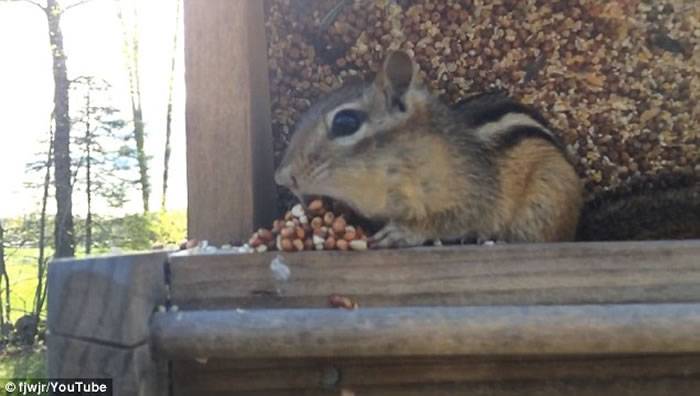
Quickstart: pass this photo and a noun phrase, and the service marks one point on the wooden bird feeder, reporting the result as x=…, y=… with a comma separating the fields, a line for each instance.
x=538, y=319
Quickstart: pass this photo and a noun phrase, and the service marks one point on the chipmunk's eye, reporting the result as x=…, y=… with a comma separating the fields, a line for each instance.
x=347, y=122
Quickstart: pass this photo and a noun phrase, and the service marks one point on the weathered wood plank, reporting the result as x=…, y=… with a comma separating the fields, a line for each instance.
x=564, y=273
x=132, y=370
x=229, y=141
x=615, y=387
x=429, y=331
x=106, y=299
x=220, y=375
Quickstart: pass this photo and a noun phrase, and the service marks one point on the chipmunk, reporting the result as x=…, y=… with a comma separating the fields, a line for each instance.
x=488, y=169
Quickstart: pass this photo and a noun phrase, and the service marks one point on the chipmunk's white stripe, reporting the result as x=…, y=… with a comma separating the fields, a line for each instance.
x=491, y=130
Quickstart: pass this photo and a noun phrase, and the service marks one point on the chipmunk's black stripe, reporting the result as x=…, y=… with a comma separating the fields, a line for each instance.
x=493, y=112
x=517, y=134
x=491, y=107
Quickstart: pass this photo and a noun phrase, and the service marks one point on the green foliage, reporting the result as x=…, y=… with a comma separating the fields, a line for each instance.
x=131, y=232
x=169, y=227
x=139, y=231
x=128, y=233
x=24, y=231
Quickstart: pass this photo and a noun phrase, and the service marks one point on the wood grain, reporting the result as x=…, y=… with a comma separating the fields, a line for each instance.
x=229, y=141
x=133, y=370
x=106, y=299
x=276, y=376
x=564, y=273
x=258, y=375
x=428, y=331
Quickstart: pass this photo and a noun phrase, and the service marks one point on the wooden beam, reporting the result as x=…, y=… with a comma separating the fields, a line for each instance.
x=215, y=376
x=429, y=331
x=133, y=371
x=229, y=141
x=563, y=273
x=676, y=386
x=106, y=299
x=98, y=320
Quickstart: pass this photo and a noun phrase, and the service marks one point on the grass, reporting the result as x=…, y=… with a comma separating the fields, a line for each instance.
x=22, y=271
x=26, y=362
x=22, y=362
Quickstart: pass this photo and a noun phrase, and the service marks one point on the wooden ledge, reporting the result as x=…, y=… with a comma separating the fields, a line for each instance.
x=526, y=274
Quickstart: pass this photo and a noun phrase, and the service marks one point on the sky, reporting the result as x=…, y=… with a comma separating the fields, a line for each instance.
x=93, y=42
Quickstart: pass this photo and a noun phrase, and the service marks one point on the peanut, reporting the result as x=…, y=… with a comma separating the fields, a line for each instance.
x=342, y=244
x=328, y=218
x=287, y=232
x=265, y=235
x=286, y=245
x=350, y=233
x=339, y=224
x=315, y=205
x=316, y=222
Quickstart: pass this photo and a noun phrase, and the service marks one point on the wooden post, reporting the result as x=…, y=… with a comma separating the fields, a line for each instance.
x=98, y=321
x=229, y=141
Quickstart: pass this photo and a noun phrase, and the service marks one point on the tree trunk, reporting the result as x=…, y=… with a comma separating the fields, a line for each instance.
x=131, y=53
x=88, y=184
x=169, y=114
x=6, y=277
x=64, y=239
x=3, y=272
x=41, y=261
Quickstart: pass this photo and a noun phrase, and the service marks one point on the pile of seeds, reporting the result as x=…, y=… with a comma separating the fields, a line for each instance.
x=619, y=79
x=318, y=227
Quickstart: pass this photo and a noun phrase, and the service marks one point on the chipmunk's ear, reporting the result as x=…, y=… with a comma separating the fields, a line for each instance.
x=396, y=77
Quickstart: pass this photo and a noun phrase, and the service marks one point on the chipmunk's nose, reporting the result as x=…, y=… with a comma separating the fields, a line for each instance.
x=284, y=177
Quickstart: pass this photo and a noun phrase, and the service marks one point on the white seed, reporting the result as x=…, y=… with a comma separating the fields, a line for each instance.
x=358, y=244
x=290, y=224
x=297, y=210
x=318, y=246
x=303, y=219
x=317, y=239
x=261, y=249
x=280, y=270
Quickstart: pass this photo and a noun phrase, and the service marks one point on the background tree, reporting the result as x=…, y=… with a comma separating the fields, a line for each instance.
x=42, y=260
x=4, y=307
x=131, y=55
x=64, y=238
x=98, y=149
x=169, y=113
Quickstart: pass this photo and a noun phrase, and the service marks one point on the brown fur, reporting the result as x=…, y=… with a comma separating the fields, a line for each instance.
x=541, y=194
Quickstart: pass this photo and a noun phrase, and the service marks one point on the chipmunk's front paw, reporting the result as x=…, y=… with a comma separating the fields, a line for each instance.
x=393, y=235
